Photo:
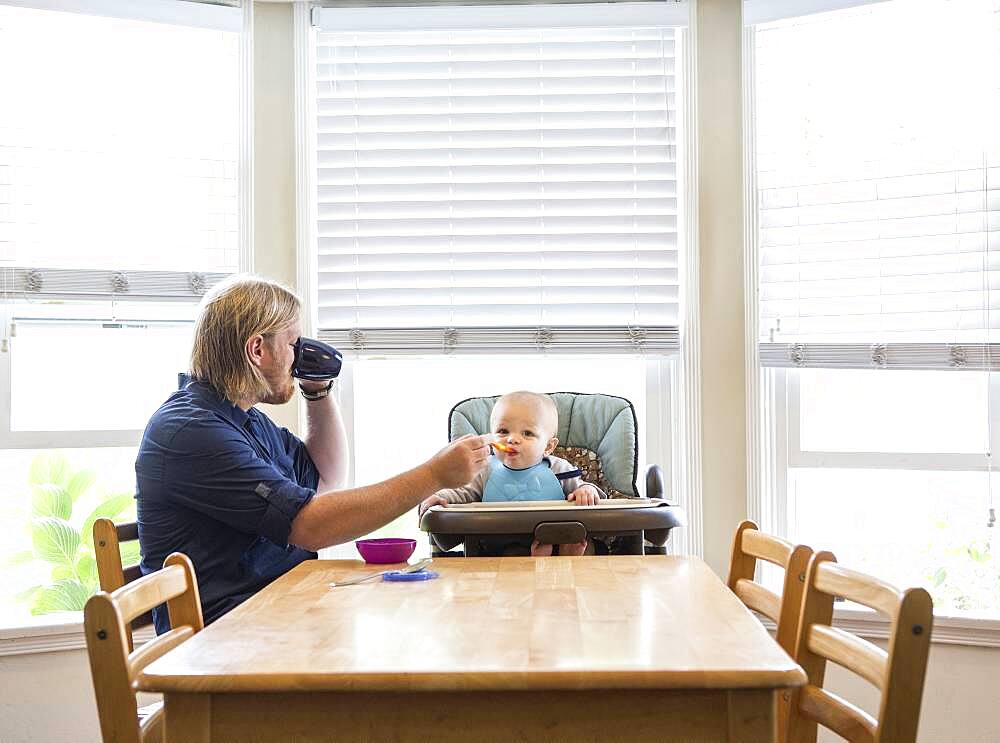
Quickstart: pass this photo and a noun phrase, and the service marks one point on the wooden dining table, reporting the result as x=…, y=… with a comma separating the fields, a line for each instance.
x=494, y=649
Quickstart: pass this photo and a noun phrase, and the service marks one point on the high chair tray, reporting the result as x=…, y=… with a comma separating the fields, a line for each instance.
x=552, y=505
x=648, y=517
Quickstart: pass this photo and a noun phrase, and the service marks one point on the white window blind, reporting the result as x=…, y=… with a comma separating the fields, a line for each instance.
x=878, y=166
x=513, y=187
x=120, y=139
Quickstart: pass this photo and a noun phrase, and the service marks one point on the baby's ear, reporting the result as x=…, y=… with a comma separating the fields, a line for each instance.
x=551, y=446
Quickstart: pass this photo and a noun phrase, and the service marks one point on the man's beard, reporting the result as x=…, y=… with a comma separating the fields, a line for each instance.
x=280, y=391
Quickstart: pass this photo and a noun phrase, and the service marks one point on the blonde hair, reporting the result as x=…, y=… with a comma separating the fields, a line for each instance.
x=232, y=313
x=547, y=404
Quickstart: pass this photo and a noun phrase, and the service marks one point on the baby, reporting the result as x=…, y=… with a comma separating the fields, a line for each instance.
x=523, y=467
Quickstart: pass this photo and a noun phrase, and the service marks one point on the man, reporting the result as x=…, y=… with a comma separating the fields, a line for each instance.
x=246, y=500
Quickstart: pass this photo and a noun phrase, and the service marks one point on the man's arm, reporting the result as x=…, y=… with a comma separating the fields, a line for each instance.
x=336, y=517
x=326, y=442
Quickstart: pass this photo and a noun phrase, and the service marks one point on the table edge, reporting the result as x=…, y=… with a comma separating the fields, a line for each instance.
x=474, y=681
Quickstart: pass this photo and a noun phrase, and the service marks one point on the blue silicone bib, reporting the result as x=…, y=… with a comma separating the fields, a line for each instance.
x=533, y=483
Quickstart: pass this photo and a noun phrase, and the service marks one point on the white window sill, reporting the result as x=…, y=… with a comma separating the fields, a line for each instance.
x=972, y=631
x=53, y=637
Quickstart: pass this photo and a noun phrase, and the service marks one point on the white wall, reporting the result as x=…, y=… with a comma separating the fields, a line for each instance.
x=719, y=75
x=48, y=698
x=274, y=159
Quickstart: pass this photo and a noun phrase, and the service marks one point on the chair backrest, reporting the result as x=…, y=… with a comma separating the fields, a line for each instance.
x=111, y=574
x=750, y=545
x=113, y=666
x=597, y=433
x=898, y=673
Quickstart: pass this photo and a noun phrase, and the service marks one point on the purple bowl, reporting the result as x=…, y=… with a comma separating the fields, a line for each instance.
x=385, y=551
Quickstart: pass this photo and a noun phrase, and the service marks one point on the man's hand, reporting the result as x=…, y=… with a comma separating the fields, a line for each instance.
x=434, y=500
x=460, y=461
x=585, y=495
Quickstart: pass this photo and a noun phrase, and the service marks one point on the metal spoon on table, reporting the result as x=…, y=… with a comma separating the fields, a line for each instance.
x=414, y=568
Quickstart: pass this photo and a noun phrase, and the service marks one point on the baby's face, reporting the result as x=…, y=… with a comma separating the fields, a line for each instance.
x=524, y=426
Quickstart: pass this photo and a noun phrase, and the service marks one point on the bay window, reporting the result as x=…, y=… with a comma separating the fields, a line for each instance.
x=876, y=195
x=123, y=196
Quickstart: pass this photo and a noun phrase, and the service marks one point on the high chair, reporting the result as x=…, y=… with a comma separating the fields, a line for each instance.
x=598, y=434
x=898, y=673
x=114, y=667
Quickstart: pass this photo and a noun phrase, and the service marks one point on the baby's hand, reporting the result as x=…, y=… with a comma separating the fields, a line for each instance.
x=585, y=495
x=434, y=500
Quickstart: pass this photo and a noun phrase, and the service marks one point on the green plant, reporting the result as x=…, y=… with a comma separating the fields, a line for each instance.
x=64, y=506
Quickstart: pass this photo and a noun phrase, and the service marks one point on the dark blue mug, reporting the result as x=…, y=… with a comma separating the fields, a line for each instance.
x=315, y=360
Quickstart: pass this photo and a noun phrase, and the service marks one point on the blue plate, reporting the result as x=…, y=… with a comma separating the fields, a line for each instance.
x=397, y=576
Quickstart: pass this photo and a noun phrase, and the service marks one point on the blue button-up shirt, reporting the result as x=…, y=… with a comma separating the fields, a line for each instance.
x=221, y=485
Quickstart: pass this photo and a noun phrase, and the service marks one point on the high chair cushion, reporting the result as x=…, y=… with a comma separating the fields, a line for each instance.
x=597, y=433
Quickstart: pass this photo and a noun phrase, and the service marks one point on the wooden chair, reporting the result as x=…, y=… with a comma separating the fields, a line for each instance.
x=898, y=673
x=114, y=667
x=111, y=574
x=749, y=546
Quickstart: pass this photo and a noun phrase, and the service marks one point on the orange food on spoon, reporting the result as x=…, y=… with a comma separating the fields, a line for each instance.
x=505, y=448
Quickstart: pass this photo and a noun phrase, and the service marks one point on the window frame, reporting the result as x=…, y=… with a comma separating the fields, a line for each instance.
x=198, y=15
x=790, y=408
x=673, y=405
x=773, y=409
x=84, y=438
x=60, y=632
x=771, y=503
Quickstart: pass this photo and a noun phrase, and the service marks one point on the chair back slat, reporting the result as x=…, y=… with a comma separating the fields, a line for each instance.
x=759, y=599
x=898, y=673
x=860, y=656
x=127, y=532
x=766, y=547
x=866, y=590
x=113, y=667
x=842, y=717
x=157, y=647
x=139, y=596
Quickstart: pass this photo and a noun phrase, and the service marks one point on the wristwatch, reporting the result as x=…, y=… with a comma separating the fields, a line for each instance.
x=318, y=394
